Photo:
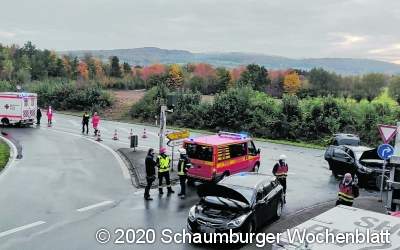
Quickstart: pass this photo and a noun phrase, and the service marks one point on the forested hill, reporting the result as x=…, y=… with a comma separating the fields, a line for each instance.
x=150, y=55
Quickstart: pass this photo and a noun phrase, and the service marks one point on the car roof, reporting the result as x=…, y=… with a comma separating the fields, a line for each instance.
x=247, y=179
x=218, y=139
x=347, y=136
x=358, y=148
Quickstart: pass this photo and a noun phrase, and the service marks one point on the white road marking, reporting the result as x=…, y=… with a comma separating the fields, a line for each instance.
x=13, y=155
x=101, y=204
x=11, y=231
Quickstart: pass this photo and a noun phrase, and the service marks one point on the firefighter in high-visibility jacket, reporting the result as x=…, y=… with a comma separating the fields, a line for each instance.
x=163, y=164
x=183, y=166
x=280, y=170
x=348, y=190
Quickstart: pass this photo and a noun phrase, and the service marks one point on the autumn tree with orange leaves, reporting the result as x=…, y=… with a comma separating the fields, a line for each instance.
x=83, y=71
x=175, y=77
x=291, y=83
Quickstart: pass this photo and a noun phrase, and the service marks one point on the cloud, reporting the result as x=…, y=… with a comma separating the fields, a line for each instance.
x=347, y=40
x=389, y=49
x=320, y=28
x=7, y=34
x=396, y=61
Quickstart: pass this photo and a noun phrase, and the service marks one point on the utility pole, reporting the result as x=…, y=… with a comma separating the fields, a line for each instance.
x=163, y=124
x=393, y=203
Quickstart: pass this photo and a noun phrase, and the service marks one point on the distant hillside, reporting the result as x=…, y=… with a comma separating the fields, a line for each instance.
x=149, y=55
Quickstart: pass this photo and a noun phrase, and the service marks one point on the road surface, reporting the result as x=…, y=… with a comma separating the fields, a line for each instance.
x=67, y=186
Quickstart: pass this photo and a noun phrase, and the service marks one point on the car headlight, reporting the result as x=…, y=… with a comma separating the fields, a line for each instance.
x=192, y=214
x=237, y=222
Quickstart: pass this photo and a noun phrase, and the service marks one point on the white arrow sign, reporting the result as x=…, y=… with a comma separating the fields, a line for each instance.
x=387, y=132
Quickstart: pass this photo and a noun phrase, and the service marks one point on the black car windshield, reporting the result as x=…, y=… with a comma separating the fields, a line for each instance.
x=199, y=152
x=349, y=142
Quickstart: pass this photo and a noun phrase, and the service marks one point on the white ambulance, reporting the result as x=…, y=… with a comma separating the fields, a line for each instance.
x=343, y=228
x=18, y=108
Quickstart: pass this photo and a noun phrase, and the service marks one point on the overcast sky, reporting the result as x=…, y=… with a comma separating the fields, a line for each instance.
x=292, y=28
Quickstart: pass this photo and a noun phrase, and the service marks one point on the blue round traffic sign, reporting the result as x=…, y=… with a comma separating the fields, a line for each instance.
x=385, y=151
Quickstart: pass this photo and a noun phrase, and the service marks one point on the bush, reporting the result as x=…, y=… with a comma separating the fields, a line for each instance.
x=67, y=95
x=6, y=86
x=310, y=119
x=149, y=106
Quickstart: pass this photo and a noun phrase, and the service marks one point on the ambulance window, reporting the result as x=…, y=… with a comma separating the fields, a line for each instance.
x=25, y=102
x=237, y=150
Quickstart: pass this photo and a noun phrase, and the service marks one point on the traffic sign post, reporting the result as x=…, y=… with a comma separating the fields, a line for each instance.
x=385, y=151
x=176, y=139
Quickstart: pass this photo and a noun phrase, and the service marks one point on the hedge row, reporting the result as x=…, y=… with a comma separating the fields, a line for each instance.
x=243, y=109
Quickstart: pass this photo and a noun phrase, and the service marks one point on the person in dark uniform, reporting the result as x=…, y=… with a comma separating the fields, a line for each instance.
x=150, y=173
x=163, y=163
x=183, y=166
x=38, y=116
x=348, y=190
x=280, y=170
x=85, y=122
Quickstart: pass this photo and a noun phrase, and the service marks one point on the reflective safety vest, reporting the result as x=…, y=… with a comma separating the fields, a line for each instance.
x=164, y=164
x=346, y=192
x=182, y=165
x=282, y=171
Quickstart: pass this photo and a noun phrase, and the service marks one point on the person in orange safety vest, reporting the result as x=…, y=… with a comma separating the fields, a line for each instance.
x=280, y=170
x=348, y=190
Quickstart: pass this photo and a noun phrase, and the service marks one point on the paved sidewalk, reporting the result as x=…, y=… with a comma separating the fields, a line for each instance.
x=137, y=167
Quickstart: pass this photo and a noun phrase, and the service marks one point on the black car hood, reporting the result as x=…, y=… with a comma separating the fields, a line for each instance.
x=220, y=191
x=370, y=155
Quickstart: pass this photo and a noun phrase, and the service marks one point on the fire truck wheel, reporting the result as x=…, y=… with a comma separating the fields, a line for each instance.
x=256, y=167
x=5, y=121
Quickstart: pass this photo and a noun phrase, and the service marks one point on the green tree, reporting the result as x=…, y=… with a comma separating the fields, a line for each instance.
x=394, y=88
x=224, y=79
x=127, y=69
x=322, y=82
x=255, y=76
x=371, y=85
x=115, y=70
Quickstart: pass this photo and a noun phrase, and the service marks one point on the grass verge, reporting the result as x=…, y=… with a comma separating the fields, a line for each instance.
x=4, y=154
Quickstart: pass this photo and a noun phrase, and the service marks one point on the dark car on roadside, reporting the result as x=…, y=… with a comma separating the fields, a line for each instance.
x=242, y=203
x=345, y=139
x=357, y=160
x=339, y=140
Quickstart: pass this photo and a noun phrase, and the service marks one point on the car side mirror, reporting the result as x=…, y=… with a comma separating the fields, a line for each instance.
x=258, y=151
x=261, y=202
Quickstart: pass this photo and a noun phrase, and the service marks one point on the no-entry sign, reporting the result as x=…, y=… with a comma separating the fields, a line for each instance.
x=387, y=132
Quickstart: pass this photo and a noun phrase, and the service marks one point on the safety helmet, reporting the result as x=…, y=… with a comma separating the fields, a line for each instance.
x=282, y=157
x=182, y=151
x=163, y=150
x=348, y=177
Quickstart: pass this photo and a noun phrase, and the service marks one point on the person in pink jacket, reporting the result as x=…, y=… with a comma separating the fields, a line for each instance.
x=95, y=122
x=49, y=116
